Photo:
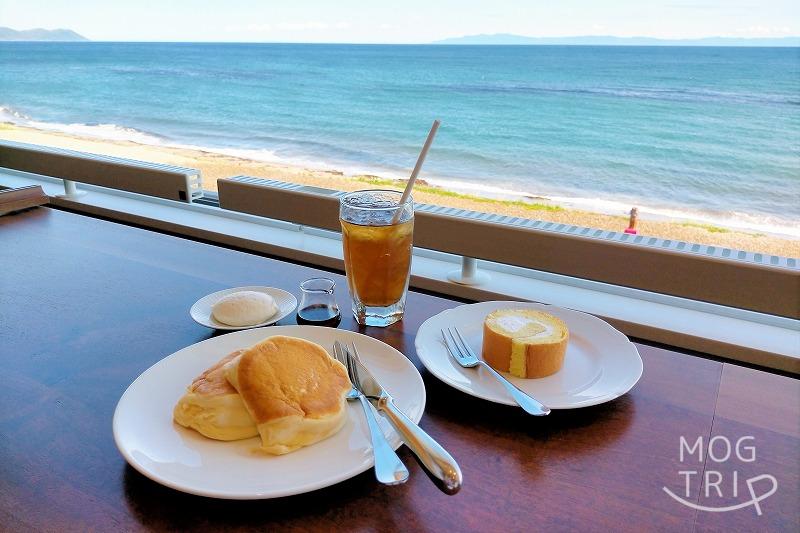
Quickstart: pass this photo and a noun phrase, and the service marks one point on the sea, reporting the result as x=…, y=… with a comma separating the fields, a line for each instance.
x=700, y=133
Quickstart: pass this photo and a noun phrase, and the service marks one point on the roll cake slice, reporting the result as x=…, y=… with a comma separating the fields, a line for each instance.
x=525, y=342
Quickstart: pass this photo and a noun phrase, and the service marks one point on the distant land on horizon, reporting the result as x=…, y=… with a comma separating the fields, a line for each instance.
x=67, y=35
x=39, y=34
x=608, y=40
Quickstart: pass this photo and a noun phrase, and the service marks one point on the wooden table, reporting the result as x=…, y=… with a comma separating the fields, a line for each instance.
x=86, y=305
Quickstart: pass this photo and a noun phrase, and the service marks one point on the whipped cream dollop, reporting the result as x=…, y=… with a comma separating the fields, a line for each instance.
x=244, y=308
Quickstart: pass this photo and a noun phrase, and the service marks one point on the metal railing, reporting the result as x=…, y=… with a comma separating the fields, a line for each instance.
x=734, y=278
x=153, y=179
x=758, y=282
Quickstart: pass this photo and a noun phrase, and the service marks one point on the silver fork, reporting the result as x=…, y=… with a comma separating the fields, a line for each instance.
x=389, y=469
x=465, y=357
x=439, y=465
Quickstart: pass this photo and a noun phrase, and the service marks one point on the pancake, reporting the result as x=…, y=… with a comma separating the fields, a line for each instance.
x=293, y=390
x=212, y=406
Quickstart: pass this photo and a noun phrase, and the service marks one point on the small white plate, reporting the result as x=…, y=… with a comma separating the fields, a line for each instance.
x=600, y=364
x=201, y=310
x=185, y=460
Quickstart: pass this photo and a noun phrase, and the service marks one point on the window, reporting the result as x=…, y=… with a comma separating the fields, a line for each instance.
x=701, y=140
x=555, y=140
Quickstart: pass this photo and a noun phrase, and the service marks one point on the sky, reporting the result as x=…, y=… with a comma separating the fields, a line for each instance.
x=405, y=21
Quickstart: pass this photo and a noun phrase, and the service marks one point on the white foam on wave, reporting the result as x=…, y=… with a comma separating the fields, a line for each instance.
x=478, y=189
x=733, y=220
x=11, y=115
x=101, y=131
x=113, y=132
x=251, y=154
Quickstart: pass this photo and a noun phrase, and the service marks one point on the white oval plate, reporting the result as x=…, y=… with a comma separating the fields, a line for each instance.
x=201, y=310
x=185, y=460
x=600, y=364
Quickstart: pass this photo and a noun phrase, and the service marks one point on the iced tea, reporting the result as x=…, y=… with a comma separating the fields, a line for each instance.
x=376, y=259
x=377, y=254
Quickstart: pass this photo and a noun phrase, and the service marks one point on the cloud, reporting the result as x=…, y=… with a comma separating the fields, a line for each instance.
x=302, y=26
x=764, y=31
x=287, y=27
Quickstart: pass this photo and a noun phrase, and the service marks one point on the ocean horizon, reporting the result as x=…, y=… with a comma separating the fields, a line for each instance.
x=707, y=134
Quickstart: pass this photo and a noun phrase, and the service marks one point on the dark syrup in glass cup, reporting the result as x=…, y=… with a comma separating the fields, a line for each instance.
x=318, y=304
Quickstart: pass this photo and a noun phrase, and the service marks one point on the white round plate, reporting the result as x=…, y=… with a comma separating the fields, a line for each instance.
x=201, y=310
x=600, y=364
x=185, y=460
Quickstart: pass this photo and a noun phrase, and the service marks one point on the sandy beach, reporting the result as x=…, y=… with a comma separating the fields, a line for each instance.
x=215, y=166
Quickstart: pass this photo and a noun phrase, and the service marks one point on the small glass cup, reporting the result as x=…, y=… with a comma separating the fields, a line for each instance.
x=377, y=235
x=318, y=305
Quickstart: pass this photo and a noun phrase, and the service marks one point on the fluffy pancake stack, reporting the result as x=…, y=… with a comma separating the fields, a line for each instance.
x=213, y=407
x=287, y=390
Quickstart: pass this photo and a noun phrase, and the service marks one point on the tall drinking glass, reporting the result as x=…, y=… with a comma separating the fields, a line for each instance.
x=377, y=233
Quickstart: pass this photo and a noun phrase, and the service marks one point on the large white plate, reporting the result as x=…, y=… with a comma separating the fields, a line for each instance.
x=600, y=364
x=201, y=311
x=185, y=460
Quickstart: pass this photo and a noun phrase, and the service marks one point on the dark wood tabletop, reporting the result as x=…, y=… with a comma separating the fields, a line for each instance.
x=86, y=305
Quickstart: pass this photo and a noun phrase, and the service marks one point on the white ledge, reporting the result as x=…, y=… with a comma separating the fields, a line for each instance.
x=725, y=332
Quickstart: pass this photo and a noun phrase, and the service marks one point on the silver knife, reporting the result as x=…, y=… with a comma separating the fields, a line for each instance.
x=389, y=469
x=438, y=464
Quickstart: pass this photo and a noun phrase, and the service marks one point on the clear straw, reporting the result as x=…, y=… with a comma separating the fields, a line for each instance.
x=417, y=168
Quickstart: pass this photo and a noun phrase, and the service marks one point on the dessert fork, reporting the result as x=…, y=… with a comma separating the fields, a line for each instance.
x=465, y=357
x=389, y=469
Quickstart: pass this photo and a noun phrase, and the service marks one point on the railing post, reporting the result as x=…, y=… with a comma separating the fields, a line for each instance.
x=469, y=273
x=71, y=190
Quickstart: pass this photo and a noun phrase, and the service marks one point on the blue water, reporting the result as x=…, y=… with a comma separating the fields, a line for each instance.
x=711, y=133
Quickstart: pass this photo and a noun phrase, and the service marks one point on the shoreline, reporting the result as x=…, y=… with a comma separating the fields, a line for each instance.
x=745, y=222
x=214, y=165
